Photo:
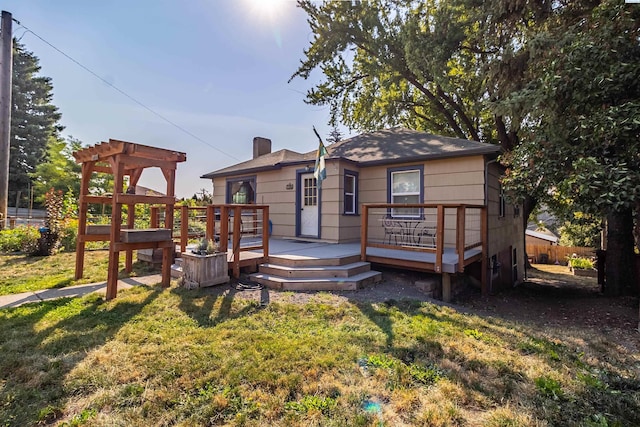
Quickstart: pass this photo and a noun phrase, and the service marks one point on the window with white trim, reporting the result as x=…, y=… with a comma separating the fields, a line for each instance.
x=350, y=193
x=405, y=188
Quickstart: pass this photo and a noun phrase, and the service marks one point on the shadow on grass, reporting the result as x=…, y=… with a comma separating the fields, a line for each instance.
x=21, y=258
x=63, y=283
x=214, y=305
x=140, y=268
x=604, y=395
x=381, y=313
x=35, y=360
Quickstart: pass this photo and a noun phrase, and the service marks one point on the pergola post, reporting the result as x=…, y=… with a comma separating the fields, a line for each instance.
x=122, y=158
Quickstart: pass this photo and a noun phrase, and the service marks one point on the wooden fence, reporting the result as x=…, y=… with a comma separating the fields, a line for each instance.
x=538, y=253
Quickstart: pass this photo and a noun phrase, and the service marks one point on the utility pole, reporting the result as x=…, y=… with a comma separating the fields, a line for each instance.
x=6, y=65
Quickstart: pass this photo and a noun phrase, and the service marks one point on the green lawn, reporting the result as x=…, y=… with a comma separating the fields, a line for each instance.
x=158, y=356
x=23, y=273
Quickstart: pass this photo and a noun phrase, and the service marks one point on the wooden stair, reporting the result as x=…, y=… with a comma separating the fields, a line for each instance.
x=316, y=274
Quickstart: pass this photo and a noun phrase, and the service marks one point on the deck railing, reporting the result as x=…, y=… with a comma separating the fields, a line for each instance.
x=249, y=233
x=249, y=222
x=424, y=228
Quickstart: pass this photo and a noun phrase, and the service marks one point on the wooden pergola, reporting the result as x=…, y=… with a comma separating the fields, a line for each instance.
x=120, y=159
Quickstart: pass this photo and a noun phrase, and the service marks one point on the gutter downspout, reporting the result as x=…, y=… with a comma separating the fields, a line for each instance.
x=486, y=203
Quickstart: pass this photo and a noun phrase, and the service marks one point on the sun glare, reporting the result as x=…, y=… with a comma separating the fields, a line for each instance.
x=270, y=10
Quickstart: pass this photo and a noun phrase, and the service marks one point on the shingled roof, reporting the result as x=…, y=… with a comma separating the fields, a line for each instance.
x=386, y=146
x=402, y=144
x=265, y=162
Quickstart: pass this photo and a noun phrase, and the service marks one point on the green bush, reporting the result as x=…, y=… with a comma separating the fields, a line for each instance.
x=22, y=238
x=581, y=263
x=69, y=234
x=197, y=226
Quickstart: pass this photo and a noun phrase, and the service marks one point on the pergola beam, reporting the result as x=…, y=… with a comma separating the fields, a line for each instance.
x=122, y=158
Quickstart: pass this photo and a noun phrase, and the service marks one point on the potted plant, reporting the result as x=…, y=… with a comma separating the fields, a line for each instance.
x=204, y=266
x=582, y=267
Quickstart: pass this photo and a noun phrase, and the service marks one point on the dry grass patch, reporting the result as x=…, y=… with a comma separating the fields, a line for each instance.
x=177, y=357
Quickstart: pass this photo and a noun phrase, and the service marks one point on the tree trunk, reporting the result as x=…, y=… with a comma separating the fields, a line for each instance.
x=528, y=205
x=636, y=230
x=620, y=262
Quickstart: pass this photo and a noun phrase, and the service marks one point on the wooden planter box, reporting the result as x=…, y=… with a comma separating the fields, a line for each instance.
x=130, y=235
x=204, y=270
x=98, y=228
x=153, y=256
x=585, y=273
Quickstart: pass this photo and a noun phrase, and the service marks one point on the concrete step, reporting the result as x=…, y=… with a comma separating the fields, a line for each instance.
x=317, y=284
x=305, y=261
x=176, y=270
x=324, y=271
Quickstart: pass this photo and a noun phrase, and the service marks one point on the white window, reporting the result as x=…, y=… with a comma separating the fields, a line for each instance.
x=405, y=189
x=350, y=194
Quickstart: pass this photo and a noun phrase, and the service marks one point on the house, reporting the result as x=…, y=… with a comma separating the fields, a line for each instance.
x=546, y=238
x=392, y=166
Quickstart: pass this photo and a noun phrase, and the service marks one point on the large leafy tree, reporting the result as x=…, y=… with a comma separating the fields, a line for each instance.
x=498, y=71
x=438, y=66
x=59, y=170
x=432, y=65
x=393, y=62
x=585, y=152
x=34, y=120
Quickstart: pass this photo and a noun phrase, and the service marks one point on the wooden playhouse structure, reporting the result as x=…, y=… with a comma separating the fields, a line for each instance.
x=120, y=159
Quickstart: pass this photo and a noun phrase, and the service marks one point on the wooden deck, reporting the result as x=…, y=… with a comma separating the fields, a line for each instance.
x=422, y=261
x=295, y=250
x=438, y=238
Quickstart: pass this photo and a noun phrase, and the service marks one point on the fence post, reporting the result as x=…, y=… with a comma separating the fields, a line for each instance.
x=211, y=223
x=484, y=233
x=155, y=217
x=364, y=227
x=439, y=238
x=265, y=233
x=224, y=228
x=237, y=220
x=460, y=236
x=184, y=227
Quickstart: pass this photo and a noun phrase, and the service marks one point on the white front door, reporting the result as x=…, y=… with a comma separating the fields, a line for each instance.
x=308, y=205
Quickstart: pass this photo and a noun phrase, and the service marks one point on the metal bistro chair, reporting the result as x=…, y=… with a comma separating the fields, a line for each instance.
x=392, y=229
x=424, y=233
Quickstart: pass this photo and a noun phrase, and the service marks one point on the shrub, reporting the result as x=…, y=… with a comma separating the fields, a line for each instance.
x=69, y=234
x=49, y=242
x=23, y=238
x=206, y=247
x=60, y=230
x=196, y=226
x=581, y=263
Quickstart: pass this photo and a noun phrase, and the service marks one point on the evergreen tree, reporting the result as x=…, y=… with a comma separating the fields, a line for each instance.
x=335, y=135
x=34, y=120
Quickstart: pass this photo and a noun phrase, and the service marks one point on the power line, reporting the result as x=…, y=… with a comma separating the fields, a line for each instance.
x=122, y=92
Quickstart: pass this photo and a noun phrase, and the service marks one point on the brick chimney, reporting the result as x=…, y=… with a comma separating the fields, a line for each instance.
x=261, y=146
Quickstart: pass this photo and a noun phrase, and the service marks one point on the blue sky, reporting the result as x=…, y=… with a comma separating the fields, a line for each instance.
x=218, y=68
